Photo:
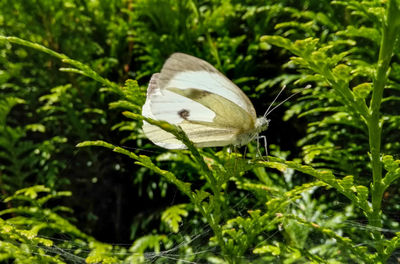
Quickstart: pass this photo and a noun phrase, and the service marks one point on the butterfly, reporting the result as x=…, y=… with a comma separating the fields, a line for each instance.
x=209, y=108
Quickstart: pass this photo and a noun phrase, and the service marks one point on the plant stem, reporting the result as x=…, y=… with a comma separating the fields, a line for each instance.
x=391, y=26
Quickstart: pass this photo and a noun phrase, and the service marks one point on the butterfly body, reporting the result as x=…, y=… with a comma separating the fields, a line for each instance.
x=260, y=126
x=209, y=108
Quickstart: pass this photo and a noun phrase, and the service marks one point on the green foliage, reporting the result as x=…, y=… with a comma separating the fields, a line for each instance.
x=26, y=227
x=249, y=210
x=21, y=157
x=144, y=243
x=355, y=81
x=172, y=216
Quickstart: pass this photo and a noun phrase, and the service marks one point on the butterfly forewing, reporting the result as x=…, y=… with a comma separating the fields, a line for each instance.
x=166, y=105
x=183, y=71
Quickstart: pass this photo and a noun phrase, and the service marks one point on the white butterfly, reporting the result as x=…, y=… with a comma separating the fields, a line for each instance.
x=209, y=108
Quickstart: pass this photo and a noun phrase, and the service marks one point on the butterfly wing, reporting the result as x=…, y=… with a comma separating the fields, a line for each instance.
x=201, y=135
x=183, y=71
x=210, y=116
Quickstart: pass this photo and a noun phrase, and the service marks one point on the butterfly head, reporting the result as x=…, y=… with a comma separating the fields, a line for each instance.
x=261, y=124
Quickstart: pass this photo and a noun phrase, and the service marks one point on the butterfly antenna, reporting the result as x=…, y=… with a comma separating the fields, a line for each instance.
x=276, y=97
x=269, y=111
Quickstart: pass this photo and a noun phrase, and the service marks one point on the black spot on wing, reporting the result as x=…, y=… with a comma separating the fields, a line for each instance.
x=184, y=114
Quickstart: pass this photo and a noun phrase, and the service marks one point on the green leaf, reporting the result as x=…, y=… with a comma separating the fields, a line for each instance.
x=173, y=215
x=274, y=250
x=142, y=244
x=362, y=90
x=392, y=167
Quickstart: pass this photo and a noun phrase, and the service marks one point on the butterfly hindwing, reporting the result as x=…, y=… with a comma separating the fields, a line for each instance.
x=227, y=114
x=218, y=130
x=200, y=135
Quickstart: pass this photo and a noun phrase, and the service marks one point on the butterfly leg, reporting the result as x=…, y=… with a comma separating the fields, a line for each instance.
x=258, y=147
x=265, y=146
